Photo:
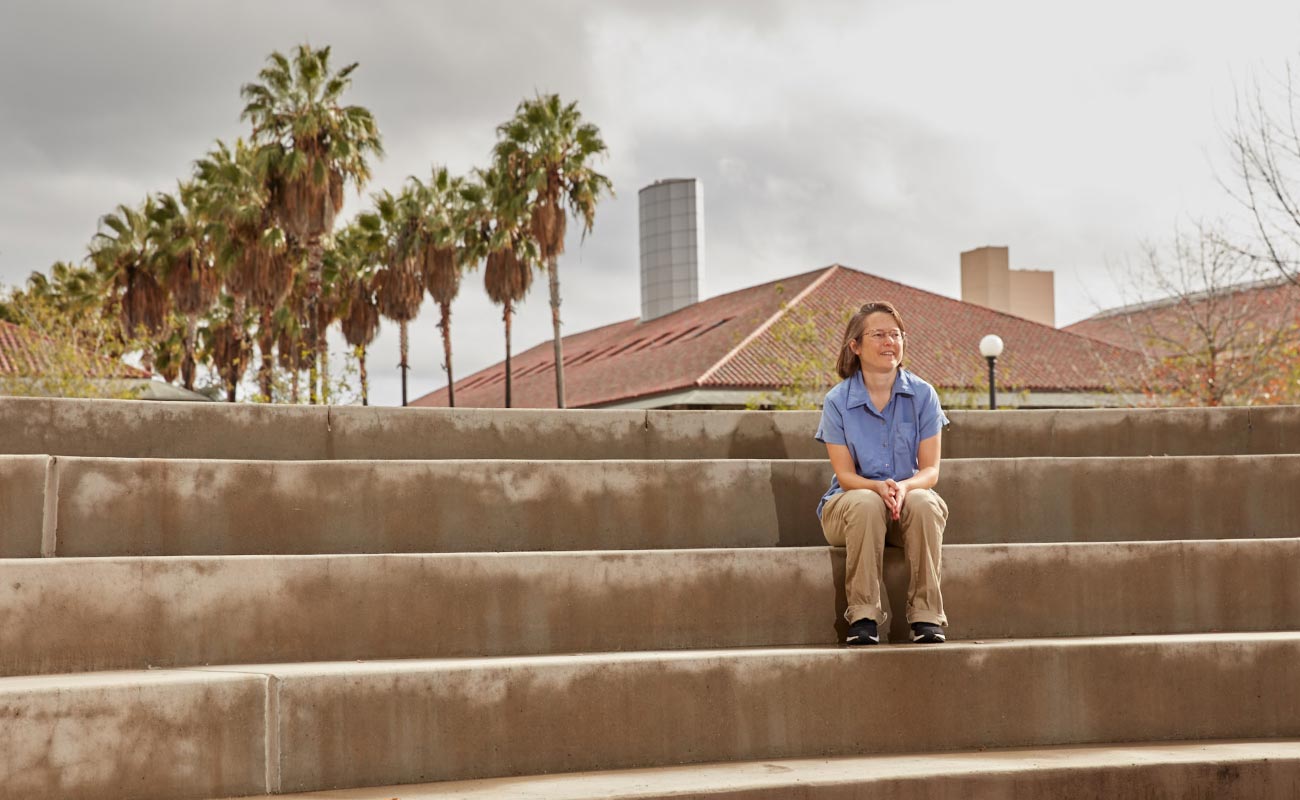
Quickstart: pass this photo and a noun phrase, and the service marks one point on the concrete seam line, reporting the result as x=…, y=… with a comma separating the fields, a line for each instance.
x=270, y=720
x=273, y=776
x=50, y=510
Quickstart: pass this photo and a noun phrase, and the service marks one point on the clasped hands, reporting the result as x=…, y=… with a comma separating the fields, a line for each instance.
x=893, y=493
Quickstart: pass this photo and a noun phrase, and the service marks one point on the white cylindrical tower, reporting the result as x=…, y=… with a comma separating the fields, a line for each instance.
x=672, y=246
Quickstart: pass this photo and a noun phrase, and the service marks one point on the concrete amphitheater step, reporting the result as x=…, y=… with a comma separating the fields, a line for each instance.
x=1256, y=769
x=218, y=430
x=105, y=507
x=156, y=734
x=71, y=615
x=307, y=727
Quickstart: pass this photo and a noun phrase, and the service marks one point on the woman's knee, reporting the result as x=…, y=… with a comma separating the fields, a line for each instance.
x=925, y=503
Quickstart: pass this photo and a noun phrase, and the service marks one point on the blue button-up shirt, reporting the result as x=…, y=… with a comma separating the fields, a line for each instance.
x=883, y=444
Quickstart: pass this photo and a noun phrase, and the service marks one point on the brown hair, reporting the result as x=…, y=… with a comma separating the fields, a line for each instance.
x=848, y=362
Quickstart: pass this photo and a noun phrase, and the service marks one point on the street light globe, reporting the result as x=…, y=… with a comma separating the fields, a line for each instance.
x=991, y=346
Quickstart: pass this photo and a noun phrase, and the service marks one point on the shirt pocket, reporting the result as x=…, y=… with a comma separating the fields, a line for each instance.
x=903, y=450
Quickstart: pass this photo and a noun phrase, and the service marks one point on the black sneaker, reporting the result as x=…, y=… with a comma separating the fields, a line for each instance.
x=926, y=633
x=863, y=632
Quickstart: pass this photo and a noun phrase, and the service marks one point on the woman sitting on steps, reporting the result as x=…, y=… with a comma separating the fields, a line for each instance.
x=881, y=427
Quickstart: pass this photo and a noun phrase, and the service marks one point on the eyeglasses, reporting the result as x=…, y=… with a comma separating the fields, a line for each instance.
x=881, y=336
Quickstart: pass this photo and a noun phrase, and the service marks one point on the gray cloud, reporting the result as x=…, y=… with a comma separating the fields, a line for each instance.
x=885, y=137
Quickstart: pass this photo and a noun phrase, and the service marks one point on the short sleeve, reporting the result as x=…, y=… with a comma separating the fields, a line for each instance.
x=930, y=417
x=831, y=428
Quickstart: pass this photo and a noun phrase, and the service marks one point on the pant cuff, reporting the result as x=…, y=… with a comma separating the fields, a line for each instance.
x=927, y=616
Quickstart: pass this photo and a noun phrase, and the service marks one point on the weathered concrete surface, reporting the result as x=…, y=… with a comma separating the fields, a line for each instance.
x=1121, y=499
x=182, y=507
x=370, y=724
x=142, y=429
x=191, y=507
x=142, y=735
x=1124, y=432
x=1223, y=770
x=22, y=501
x=65, y=615
x=134, y=429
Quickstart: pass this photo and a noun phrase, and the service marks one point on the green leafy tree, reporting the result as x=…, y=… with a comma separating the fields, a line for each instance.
x=68, y=345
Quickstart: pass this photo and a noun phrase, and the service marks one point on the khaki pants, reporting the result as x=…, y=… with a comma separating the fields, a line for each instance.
x=858, y=521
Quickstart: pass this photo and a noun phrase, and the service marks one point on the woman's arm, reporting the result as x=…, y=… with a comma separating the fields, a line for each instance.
x=842, y=463
x=927, y=475
x=927, y=463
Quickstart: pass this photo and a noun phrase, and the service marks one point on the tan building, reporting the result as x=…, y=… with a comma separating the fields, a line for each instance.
x=988, y=280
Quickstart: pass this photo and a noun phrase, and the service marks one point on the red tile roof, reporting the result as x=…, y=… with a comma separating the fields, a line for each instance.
x=1267, y=305
x=735, y=341
x=24, y=353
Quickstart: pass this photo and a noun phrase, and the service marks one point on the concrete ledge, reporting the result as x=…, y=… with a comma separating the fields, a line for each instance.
x=112, y=507
x=137, y=429
x=1231, y=770
x=67, y=615
x=143, y=735
x=1115, y=432
x=22, y=505
x=350, y=725
x=155, y=507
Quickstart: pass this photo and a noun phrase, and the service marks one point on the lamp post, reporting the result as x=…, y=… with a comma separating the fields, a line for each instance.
x=991, y=348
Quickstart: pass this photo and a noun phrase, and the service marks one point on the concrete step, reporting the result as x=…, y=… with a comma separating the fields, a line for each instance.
x=340, y=725
x=131, y=429
x=69, y=615
x=1253, y=769
x=157, y=734
x=109, y=507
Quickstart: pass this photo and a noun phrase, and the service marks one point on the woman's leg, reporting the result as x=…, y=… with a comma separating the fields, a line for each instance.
x=920, y=526
x=856, y=521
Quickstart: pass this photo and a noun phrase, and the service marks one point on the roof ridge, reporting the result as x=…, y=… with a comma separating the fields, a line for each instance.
x=768, y=323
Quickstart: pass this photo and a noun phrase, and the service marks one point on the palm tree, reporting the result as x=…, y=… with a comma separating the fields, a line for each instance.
x=500, y=234
x=445, y=250
x=310, y=145
x=350, y=258
x=123, y=255
x=227, y=345
x=392, y=231
x=186, y=265
x=549, y=147
x=290, y=347
x=250, y=248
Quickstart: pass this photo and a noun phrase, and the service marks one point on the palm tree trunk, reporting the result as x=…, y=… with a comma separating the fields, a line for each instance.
x=315, y=257
x=365, y=382
x=444, y=325
x=266, y=343
x=324, y=350
x=404, y=342
x=293, y=390
x=509, y=313
x=187, y=365
x=236, y=369
x=553, y=272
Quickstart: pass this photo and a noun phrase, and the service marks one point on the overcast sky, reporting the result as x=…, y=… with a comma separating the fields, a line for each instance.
x=885, y=136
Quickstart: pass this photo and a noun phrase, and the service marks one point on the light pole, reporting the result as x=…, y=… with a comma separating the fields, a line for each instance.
x=991, y=348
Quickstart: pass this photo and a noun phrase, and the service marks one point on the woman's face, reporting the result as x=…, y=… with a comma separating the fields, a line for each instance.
x=883, y=351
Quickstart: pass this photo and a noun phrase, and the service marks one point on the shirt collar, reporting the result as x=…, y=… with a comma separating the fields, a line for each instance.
x=858, y=389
